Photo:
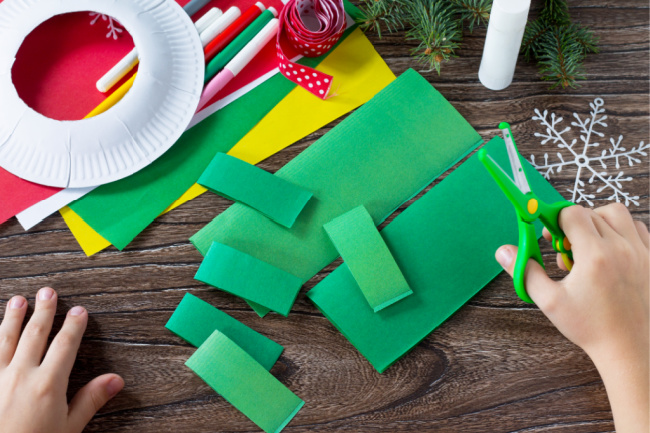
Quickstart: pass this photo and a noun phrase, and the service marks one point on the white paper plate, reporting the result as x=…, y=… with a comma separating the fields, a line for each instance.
x=129, y=136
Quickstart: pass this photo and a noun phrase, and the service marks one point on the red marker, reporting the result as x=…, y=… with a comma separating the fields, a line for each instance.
x=227, y=36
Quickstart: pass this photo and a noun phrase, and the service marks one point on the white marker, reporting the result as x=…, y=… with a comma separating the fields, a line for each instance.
x=219, y=25
x=506, y=29
x=240, y=61
x=128, y=62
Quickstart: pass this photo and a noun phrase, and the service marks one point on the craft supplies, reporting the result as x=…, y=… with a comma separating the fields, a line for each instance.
x=505, y=30
x=311, y=27
x=365, y=158
x=238, y=62
x=529, y=208
x=120, y=210
x=445, y=249
x=128, y=62
x=364, y=252
x=193, y=6
x=217, y=26
x=231, y=32
x=244, y=383
x=71, y=154
x=249, y=278
x=228, y=53
x=195, y=320
x=238, y=180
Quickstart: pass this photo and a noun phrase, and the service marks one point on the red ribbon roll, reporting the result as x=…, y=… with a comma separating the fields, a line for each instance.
x=311, y=28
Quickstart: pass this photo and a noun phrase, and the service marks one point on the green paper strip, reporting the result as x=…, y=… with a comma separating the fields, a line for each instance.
x=228, y=53
x=380, y=156
x=444, y=244
x=238, y=180
x=247, y=277
x=244, y=383
x=364, y=252
x=195, y=320
x=120, y=210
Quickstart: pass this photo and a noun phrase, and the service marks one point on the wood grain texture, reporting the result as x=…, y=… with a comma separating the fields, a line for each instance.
x=496, y=366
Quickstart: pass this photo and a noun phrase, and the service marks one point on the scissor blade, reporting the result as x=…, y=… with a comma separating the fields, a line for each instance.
x=503, y=171
x=515, y=163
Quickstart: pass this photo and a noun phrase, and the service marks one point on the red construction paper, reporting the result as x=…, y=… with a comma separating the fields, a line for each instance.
x=56, y=70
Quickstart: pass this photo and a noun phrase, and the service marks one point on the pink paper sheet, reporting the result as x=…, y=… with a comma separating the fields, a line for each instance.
x=57, y=67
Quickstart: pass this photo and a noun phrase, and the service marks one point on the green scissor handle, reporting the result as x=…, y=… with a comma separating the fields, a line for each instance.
x=528, y=249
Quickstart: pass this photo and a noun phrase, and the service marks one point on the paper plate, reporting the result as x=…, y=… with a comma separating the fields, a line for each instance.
x=129, y=136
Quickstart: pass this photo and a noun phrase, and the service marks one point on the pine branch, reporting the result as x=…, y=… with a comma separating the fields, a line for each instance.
x=555, y=12
x=585, y=38
x=381, y=13
x=530, y=45
x=474, y=12
x=562, y=61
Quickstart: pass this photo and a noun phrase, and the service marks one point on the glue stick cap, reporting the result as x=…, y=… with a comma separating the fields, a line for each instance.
x=509, y=15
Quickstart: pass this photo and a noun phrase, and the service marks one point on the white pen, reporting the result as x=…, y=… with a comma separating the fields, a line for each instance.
x=219, y=25
x=238, y=62
x=128, y=62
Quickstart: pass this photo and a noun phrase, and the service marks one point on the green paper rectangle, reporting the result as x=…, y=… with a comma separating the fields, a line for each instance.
x=238, y=180
x=245, y=276
x=120, y=210
x=444, y=244
x=244, y=383
x=194, y=320
x=380, y=156
x=366, y=255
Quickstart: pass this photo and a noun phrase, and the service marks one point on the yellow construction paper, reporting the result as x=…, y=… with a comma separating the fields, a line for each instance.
x=359, y=73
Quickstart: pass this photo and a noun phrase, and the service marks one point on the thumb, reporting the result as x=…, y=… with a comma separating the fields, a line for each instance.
x=91, y=398
x=542, y=290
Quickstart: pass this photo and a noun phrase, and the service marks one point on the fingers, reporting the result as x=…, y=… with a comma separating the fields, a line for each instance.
x=642, y=230
x=560, y=262
x=91, y=398
x=543, y=291
x=34, y=339
x=579, y=226
x=62, y=353
x=619, y=219
x=547, y=234
x=10, y=328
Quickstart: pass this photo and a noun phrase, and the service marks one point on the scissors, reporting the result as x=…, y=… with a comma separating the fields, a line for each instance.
x=529, y=208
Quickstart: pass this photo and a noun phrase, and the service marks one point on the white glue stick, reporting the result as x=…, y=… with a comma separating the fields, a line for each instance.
x=505, y=31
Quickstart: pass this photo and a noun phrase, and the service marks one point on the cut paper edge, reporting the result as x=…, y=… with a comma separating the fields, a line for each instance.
x=255, y=146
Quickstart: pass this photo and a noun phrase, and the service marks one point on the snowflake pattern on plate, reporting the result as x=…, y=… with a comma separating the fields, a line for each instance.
x=114, y=28
x=586, y=161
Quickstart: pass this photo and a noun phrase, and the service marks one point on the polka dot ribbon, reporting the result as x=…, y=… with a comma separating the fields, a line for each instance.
x=310, y=28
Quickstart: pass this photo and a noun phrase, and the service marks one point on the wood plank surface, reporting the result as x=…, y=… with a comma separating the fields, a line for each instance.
x=498, y=365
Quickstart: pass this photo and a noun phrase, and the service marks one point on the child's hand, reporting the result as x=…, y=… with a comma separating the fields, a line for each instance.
x=32, y=387
x=602, y=304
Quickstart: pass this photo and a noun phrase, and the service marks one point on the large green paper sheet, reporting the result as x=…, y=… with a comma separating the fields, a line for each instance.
x=444, y=244
x=366, y=255
x=250, y=278
x=243, y=182
x=380, y=156
x=244, y=383
x=195, y=320
x=120, y=210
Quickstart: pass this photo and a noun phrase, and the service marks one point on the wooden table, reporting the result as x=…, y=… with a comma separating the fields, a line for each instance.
x=497, y=365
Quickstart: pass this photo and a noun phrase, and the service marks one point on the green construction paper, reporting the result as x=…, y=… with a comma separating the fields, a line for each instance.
x=380, y=156
x=364, y=252
x=231, y=50
x=238, y=180
x=120, y=210
x=244, y=383
x=444, y=244
x=250, y=278
x=195, y=320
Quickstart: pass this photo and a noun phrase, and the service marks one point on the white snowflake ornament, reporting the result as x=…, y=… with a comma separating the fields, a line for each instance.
x=593, y=164
x=113, y=26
